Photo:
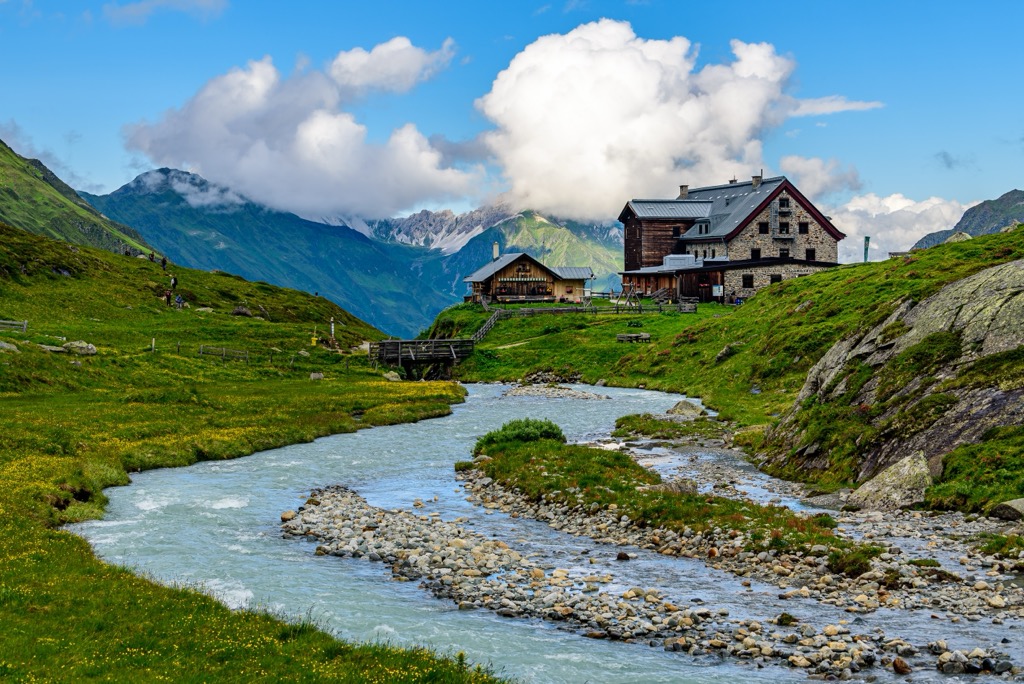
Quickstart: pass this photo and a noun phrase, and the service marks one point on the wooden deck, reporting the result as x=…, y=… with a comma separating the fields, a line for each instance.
x=401, y=352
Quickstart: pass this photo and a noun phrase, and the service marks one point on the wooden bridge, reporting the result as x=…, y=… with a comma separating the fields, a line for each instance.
x=412, y=353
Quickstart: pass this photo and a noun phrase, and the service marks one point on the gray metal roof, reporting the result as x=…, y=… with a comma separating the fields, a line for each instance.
x=573, y=272
x=725, y=206
x=485, y=272
x=670, y=209
x=732, y=204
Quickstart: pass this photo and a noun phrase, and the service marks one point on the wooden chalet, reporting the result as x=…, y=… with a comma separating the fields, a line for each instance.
x=519, y=277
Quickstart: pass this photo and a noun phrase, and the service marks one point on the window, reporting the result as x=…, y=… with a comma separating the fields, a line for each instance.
x=783, y=203
x=762, y=227
x=783, y=253
x=810, y=255
x=748, y=280
x=775, y=278
x=804, y=227
x=705, y=254
x=784, y=227
x=676, y=230
x=755, y=254
x=712, y=254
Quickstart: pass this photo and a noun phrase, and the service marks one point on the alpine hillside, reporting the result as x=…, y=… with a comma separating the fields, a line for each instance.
x=34, y=199
x=394, y=273
x=202, y=225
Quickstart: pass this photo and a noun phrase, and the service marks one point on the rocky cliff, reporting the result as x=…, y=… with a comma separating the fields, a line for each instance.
x=933, y=376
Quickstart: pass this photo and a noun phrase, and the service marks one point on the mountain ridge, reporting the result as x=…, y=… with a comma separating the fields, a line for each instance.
x=34, y=199
x=985, y=218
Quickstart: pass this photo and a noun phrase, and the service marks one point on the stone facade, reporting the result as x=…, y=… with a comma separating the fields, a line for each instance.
x=762, y=276
x=824, y=246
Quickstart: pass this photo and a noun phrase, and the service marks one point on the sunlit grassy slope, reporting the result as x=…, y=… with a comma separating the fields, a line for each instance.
x=71, y=425
x=34, y=199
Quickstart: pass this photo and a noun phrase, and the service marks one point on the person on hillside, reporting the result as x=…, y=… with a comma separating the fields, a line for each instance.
x=174, y=282
x=163, y=263
x=167, y=297
x=152, y=256
x=178, y=301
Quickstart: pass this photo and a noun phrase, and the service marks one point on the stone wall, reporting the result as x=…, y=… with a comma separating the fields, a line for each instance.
x=823, y=244
x=762, y=276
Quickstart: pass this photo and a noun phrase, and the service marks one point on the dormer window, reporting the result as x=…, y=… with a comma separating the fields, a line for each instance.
x=783, y=203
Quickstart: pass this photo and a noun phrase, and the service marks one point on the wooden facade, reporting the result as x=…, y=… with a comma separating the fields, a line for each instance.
x=521, y=278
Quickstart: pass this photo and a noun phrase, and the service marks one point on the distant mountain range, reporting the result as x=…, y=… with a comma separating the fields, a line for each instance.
x=396, y=274
x=990, y=216
x=34, y=199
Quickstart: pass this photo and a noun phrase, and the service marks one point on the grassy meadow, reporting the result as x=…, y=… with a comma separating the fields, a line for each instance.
x=749, y=362
x=72, y=425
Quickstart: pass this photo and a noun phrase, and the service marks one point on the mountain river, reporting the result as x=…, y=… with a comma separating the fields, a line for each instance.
x=215, y=525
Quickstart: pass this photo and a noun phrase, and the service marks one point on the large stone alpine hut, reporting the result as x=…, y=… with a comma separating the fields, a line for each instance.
x=725, y=241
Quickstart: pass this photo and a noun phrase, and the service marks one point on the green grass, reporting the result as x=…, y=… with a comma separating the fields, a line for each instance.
x=975, y=477
x=549, y=470
x=34, y=199
x=773, y=340
x=72, y=425
x=646, y=425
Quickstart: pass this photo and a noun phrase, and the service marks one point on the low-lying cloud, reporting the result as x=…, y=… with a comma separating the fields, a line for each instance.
x=289, y=143
x=894, y=223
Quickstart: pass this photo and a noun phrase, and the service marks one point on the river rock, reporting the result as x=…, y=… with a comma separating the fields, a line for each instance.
x=392, y=376
x=551, y=392
x=901, y=484
x=1009, y=510
x=687, y=408
x=901, y=666
x=680, y=486
x=288, y=515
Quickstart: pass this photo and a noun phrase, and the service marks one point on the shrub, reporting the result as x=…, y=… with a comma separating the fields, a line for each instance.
x=852, y=562
x=522, y=430
x=241, y=311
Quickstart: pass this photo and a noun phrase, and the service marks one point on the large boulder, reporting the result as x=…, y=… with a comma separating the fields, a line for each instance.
x=392, y=376
x=687, y=409
x=1009, y=510
x=80, y=347
x=901, y=484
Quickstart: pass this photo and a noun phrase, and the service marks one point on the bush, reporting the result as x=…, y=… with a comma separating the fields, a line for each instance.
x=522, y=430
x=241, y=311
x=852, y=562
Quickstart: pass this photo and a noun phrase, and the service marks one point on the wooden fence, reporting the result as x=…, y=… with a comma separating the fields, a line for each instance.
x=14, y=325
x=223, y=353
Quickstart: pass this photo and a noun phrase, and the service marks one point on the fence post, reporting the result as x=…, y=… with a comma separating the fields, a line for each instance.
x=179, y=346
x=24, y=326
x=152, y=345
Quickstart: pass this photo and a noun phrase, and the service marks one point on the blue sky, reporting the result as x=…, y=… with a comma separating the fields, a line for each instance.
x=894, y=116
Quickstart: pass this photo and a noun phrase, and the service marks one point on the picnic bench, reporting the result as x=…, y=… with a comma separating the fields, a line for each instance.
x=633, y=337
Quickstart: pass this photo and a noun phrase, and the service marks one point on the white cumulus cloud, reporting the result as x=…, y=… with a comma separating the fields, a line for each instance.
x=588, y=119
x=894, y=223
x=816, y=177
x=395, y=66
x=289, y=143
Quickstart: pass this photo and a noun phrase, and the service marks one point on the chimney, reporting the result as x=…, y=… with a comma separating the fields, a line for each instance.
x=755, y=181
x=495, y=251
x=732, y=181
x=684, y=190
